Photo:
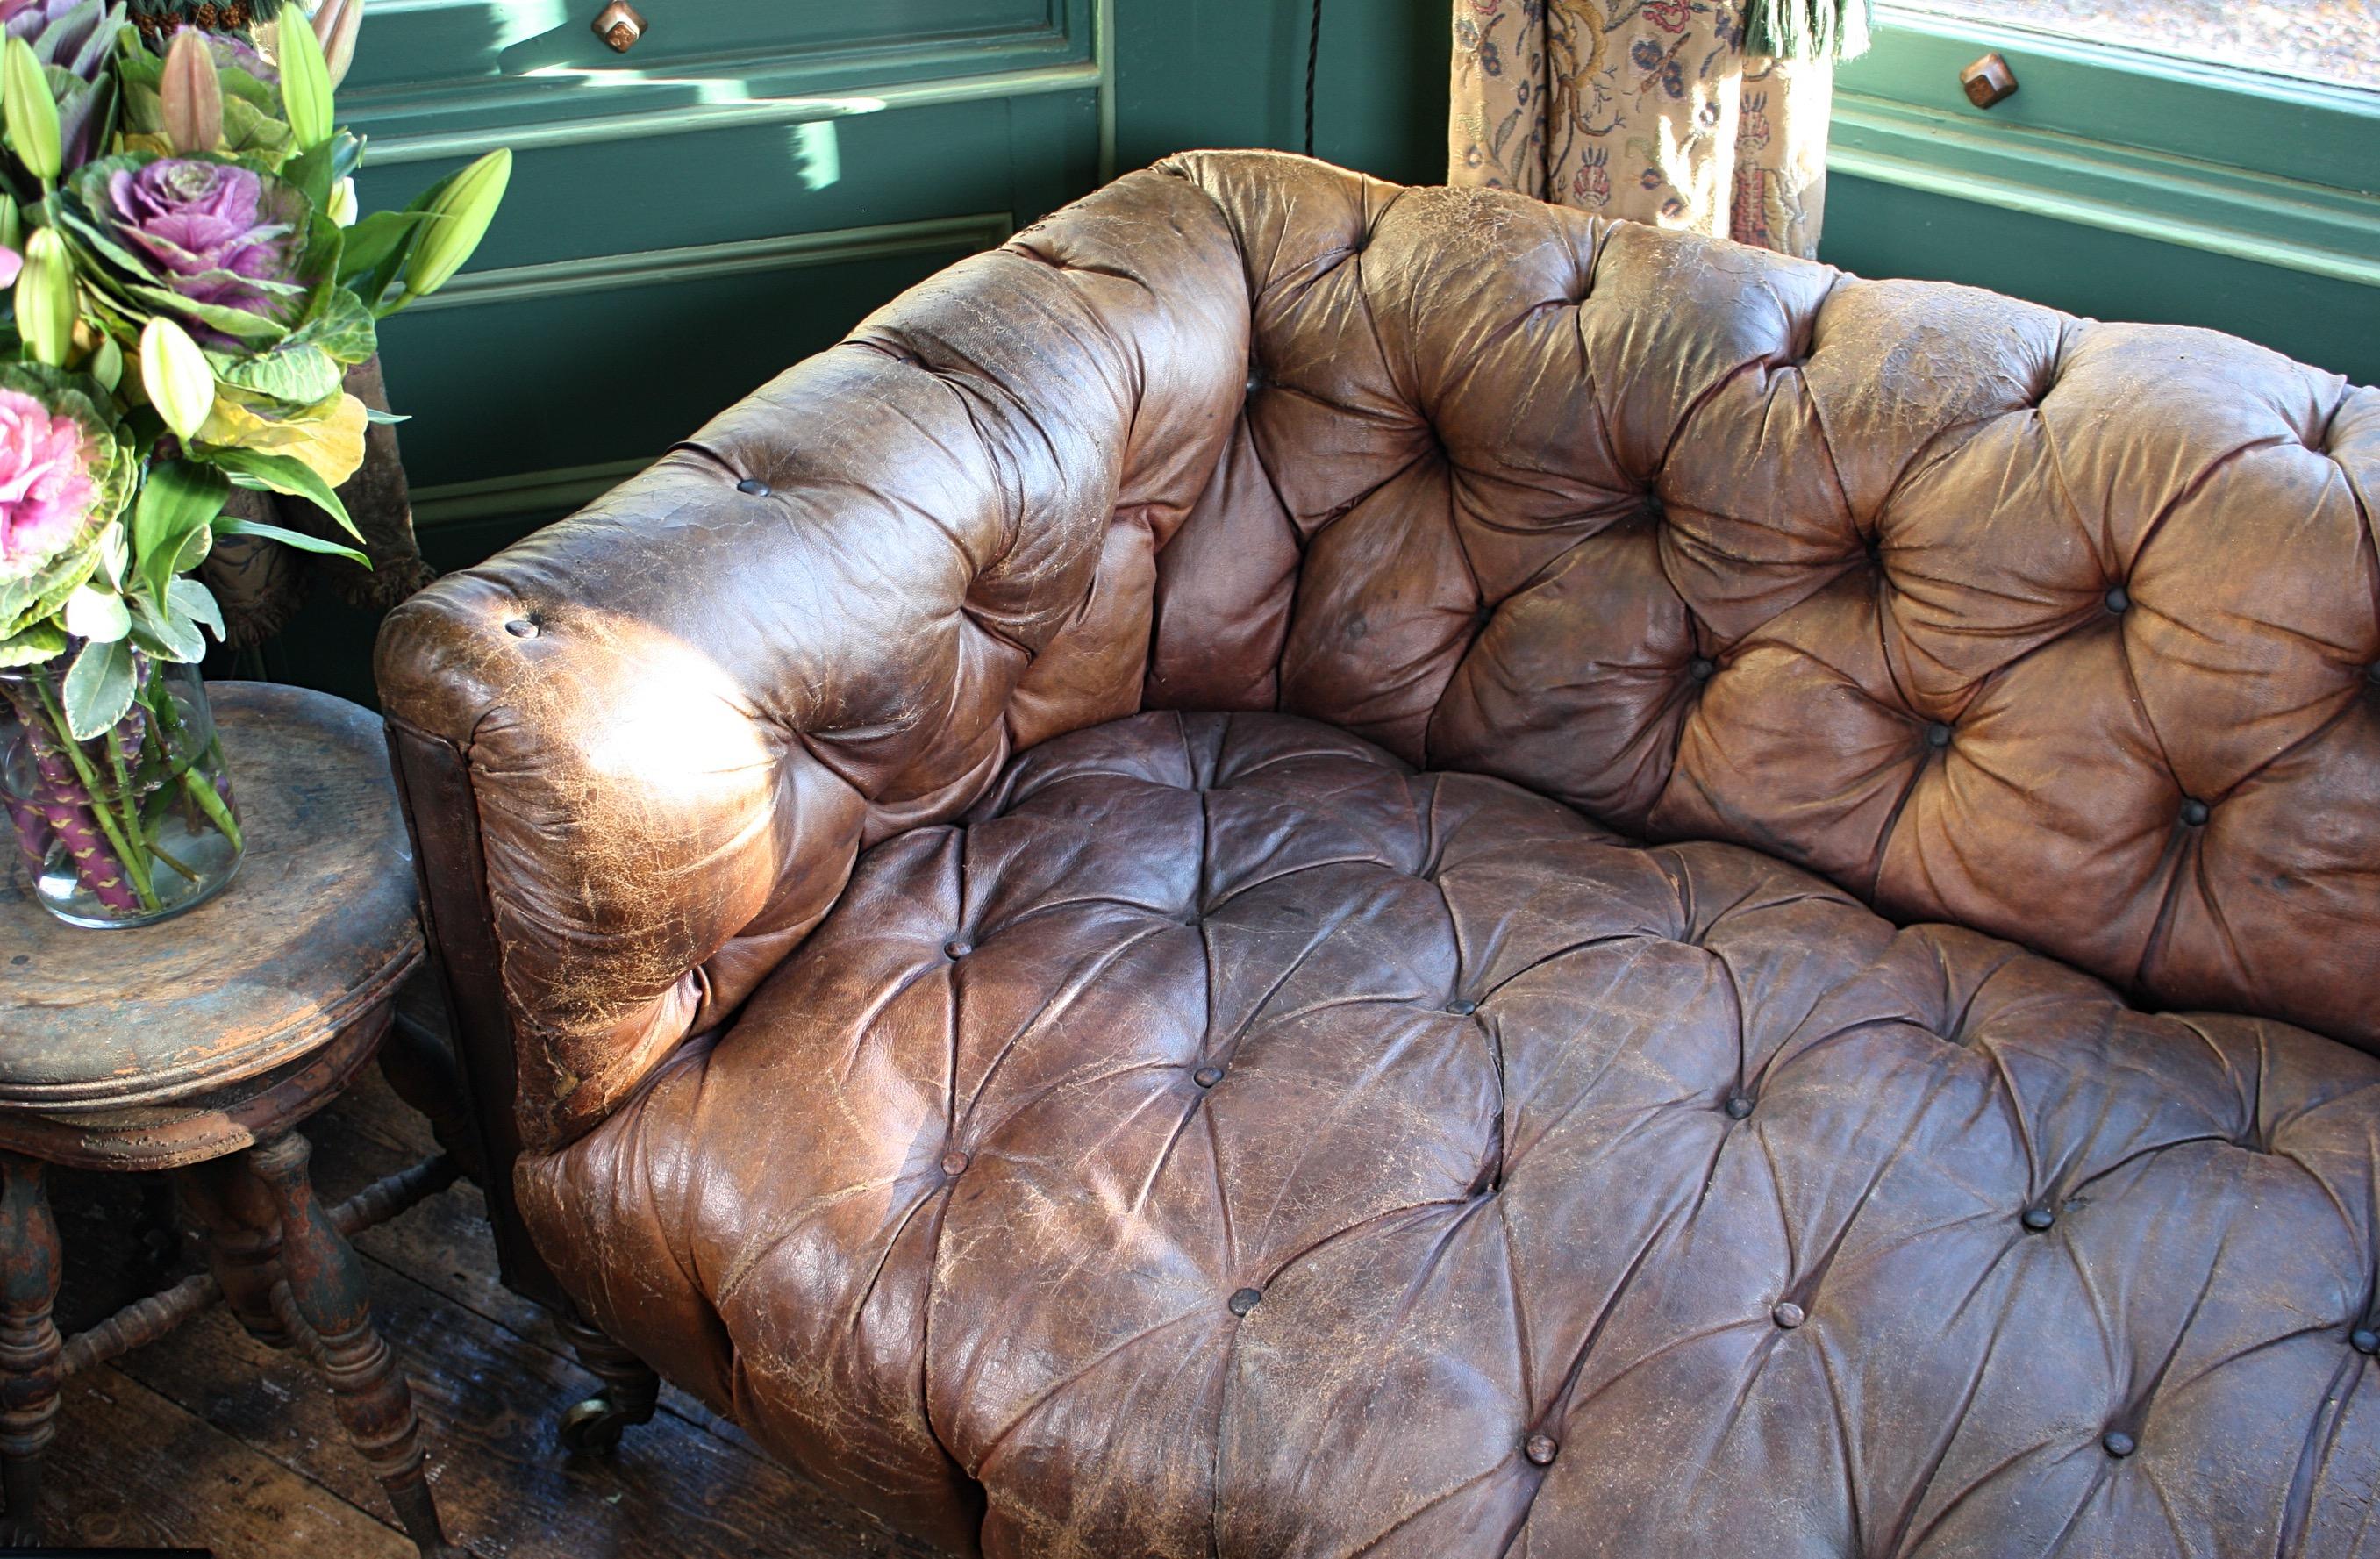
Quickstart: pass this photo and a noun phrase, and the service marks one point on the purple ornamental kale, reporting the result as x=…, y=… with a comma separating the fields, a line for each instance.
x=215, y=233
x=231, y=51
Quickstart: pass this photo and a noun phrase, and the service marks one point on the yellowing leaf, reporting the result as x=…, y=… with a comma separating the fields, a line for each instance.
x=327, y=439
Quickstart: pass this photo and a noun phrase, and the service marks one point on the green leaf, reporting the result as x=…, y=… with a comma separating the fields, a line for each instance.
x=42, y=641
x=299, y=373
x=251, y=130
x=378, y=418
x=311, y=171
x=99, y=687
x=167, y=636
x=97, y=614
x=289, y=537
x=384, y=275
x=37, y=597
x=374, y=238
x=238, y=83
x=195, y=547
x=180, y=496
x=50, y=45
x=231, y=321
x=70, y=219
x=196, y=602
x=341, y=325
x=278, y=473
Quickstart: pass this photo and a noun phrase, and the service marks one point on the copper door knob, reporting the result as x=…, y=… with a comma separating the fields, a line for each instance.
x=620, y=26
x=1988, y=81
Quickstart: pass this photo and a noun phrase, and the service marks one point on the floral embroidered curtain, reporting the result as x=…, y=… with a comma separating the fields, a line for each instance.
x=1709, y=114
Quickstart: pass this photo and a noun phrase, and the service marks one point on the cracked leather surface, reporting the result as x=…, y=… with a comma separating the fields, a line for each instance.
x=1511, y=1128
x=1620, y=631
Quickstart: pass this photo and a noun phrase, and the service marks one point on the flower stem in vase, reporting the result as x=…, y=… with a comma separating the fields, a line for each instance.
x=34, y=836
x=59, y=811
x=75, y=801
x=213, y=802
x=210, y=792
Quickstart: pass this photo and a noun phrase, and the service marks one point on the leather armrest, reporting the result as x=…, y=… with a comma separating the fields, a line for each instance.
x=828, y=617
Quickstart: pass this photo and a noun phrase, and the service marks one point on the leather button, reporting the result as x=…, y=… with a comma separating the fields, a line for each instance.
x=958, y=949
x=1938, y=735
x=955, y=1162
x=2119, y=600
x=1541, y=1449
x=2118, y=1443
x=1701, y=669
x=1788, y=1315
x=521, y=627
x=1206, y=1076
x=2194, y=811
x=1738, y=1107
x=752, y=485
x=2038, y=1218
x=2363, y=1340
x=1245, y=1300
x=1462, y=1007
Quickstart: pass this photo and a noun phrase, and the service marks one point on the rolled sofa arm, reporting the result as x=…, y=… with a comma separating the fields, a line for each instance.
x=642, y=748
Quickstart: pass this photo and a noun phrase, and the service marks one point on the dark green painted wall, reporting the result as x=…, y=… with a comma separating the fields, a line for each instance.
x=1230, y=73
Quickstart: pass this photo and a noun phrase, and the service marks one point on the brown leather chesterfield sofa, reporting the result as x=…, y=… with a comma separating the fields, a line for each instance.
x=1303, y=868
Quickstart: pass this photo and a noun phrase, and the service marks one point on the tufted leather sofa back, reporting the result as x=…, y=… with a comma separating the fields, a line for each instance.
x=2065, y=631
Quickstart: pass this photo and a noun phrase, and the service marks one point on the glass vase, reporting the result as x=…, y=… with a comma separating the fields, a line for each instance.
x=129, y=827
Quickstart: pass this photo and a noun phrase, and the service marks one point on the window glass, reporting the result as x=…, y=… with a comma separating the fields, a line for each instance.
x=2332, y=42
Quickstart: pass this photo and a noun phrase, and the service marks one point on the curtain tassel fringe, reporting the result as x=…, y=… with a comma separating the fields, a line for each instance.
x=1806, y=28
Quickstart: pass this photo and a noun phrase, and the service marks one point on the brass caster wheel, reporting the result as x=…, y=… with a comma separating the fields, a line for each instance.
x=593, y=1427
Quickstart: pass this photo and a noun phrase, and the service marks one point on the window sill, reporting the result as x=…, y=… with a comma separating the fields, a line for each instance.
x=2070, y=146
x=2257, y=217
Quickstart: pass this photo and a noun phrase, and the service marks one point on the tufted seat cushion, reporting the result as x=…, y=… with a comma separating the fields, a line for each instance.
x=1227, y=1141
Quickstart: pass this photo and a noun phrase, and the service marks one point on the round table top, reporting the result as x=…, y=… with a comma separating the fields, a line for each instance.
x=316, y=930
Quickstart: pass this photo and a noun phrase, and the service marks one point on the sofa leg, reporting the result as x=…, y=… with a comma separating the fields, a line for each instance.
x=631, y=1390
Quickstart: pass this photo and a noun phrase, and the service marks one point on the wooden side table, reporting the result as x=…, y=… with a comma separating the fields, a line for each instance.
x=197, y=1046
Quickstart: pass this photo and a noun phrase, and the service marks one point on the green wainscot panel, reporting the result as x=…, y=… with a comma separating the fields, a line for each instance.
x=1880, y=229
x=584, y=378
x=439, y=64
x=605, y=297
x=629, y=196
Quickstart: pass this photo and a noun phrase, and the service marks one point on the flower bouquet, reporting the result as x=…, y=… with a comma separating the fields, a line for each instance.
x=187, y=281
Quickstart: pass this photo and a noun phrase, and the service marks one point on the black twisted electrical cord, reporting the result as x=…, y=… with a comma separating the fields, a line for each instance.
x=1313, y=53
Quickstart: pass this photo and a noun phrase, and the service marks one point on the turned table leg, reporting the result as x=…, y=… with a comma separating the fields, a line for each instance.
x=243, y=1242
x=326, y=1288
x=30, y=1343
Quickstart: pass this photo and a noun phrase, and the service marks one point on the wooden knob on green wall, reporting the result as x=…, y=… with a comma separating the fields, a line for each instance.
x=620, y=26
x=1988, y=81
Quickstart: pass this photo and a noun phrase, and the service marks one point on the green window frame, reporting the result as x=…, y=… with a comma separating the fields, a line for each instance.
x=2257, y=170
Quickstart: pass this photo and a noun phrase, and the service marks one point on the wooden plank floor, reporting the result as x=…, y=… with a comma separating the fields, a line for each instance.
x=211, y=1439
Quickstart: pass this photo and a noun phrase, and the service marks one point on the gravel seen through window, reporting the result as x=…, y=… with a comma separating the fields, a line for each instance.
x=2333, y=41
